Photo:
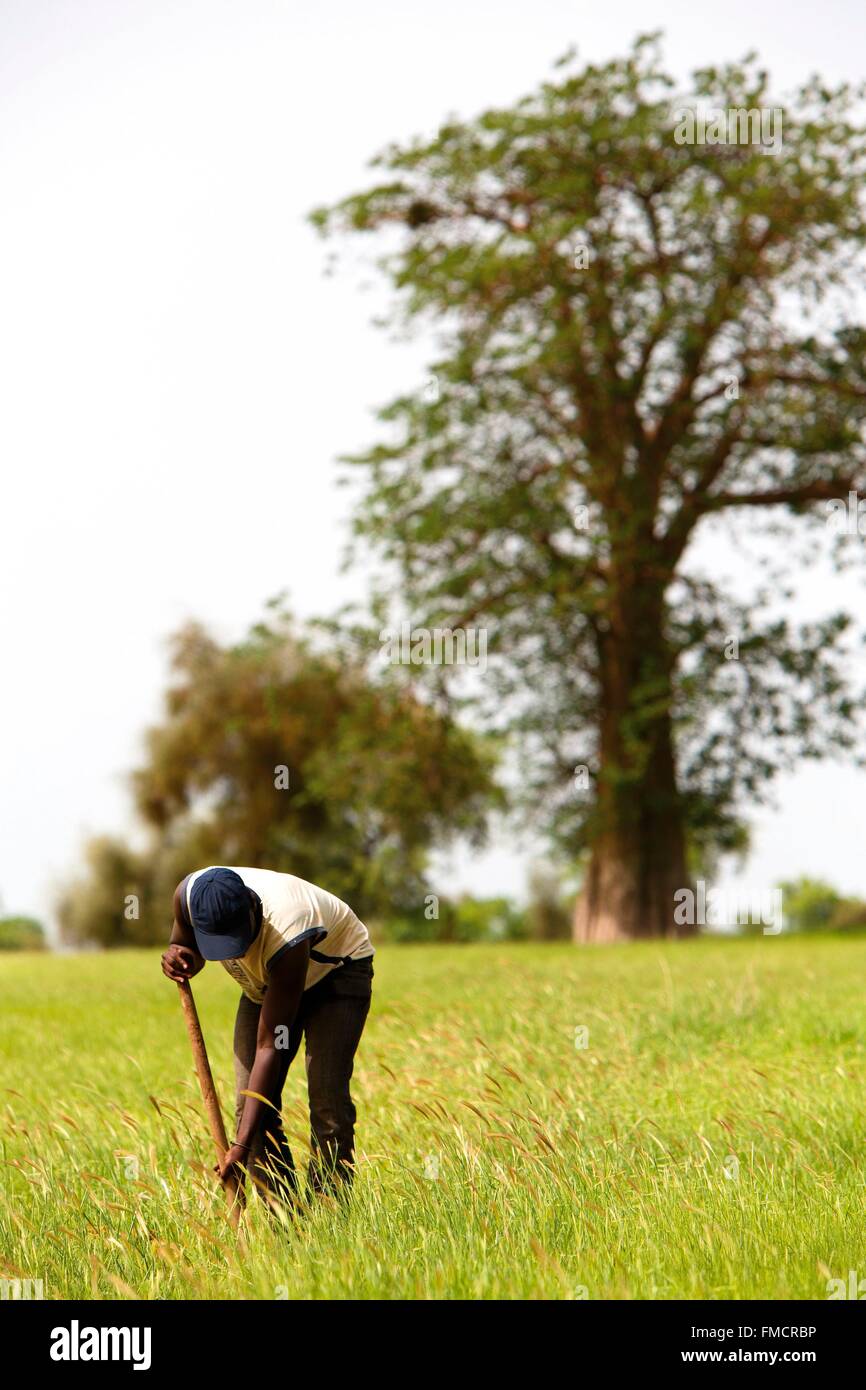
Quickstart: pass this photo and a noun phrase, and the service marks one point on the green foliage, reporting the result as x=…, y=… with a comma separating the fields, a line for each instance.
x=809, y=903
x=813, y=905
x=849, y=915
x=21, y=934
x=286, y=751
x=466, y=919
x=488, y=919
x=409, y=928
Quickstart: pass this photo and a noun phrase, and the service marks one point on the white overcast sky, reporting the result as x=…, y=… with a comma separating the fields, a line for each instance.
x=178, y=376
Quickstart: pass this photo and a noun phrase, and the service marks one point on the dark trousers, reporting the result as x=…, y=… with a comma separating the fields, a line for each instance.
x=331, y=1019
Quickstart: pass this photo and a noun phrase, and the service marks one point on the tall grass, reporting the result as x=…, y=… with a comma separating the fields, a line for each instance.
x=705, y=1143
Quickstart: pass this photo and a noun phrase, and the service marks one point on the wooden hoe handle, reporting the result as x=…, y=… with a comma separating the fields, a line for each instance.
x=233, y=1189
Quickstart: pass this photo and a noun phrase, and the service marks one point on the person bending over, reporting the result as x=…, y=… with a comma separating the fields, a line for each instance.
x=265, y=928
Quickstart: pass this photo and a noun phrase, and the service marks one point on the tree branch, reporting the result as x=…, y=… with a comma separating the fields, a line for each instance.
x=821, y=490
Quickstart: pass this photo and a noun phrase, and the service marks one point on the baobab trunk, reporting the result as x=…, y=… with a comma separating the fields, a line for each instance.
x=635, y=869
x=638, y=856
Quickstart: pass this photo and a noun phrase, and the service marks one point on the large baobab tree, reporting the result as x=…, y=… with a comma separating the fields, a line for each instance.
x=644, y=331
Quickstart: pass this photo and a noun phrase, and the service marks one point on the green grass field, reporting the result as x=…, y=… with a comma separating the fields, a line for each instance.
x=706, y=1143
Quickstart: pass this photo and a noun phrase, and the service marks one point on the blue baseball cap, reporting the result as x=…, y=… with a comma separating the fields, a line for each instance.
x=222, y=916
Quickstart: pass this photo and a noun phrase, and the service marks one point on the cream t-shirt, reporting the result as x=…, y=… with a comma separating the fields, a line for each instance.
x=292, y=911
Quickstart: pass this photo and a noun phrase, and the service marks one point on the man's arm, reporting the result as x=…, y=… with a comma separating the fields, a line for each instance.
x=282, y=998
x=181, y=960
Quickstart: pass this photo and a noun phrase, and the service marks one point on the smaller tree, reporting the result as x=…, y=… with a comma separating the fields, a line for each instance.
x=286, y=751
